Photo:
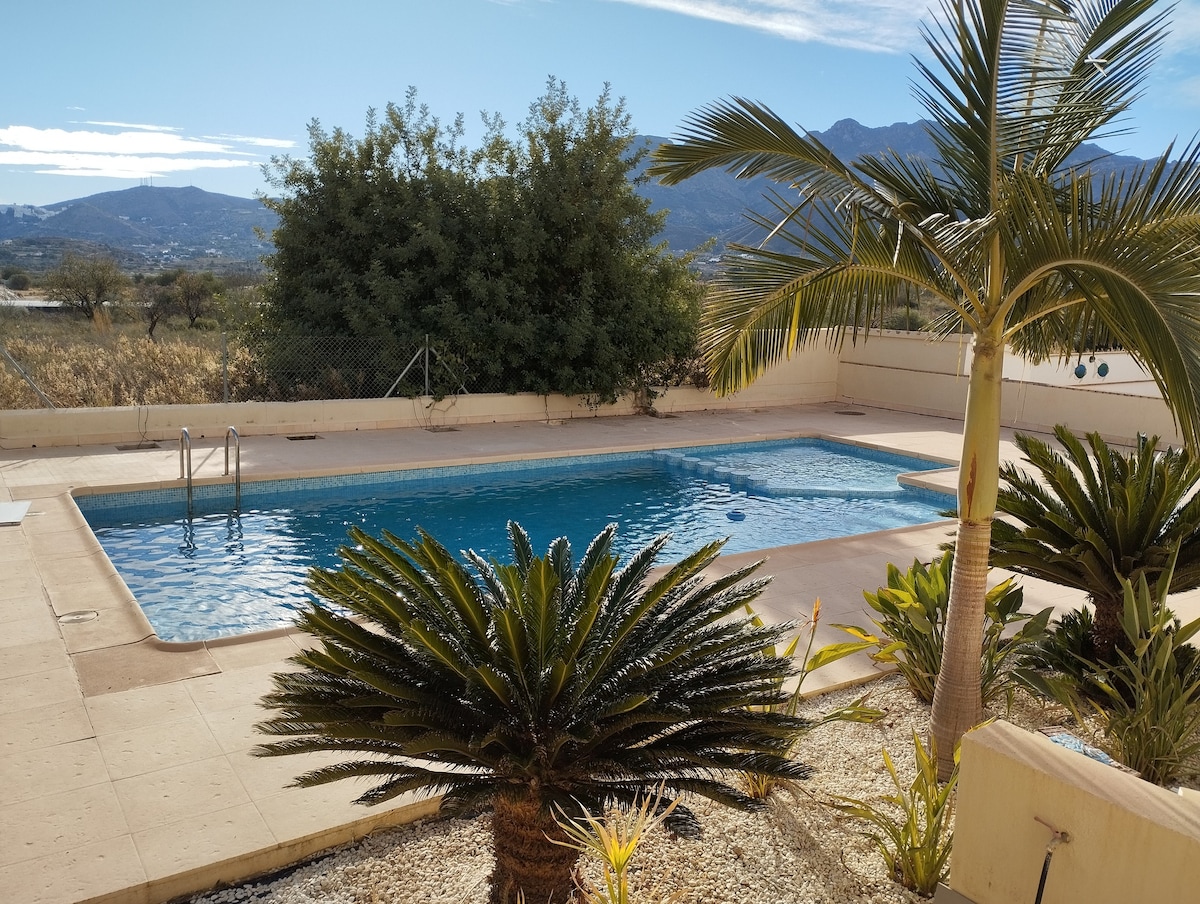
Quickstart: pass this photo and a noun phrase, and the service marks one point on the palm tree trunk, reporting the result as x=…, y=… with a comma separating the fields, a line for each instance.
x=1108, y=632
x=527, y=861
x=957, y=701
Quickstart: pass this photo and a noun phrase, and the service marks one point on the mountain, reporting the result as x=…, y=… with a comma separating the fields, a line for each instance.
x=145, y=228
x=713, y=204
x=150, y=227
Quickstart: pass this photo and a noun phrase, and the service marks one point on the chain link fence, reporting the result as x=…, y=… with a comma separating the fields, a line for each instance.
x=120, y=370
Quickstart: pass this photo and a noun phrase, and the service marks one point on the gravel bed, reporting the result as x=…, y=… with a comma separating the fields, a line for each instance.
x=798, y=851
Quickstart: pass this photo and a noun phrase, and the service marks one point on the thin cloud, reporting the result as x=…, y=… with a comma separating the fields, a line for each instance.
x=132, y=152
x=131, y=125
x=255, y=142
x=1185, y=28
x=881, y=26
x=90, y=141
x=113, y=165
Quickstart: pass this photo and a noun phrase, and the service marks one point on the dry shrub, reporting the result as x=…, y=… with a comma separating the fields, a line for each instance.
x=112, y=371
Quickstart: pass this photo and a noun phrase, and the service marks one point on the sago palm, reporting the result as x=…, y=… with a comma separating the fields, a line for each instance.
x=537, y=687
x=1023, y=248
x=1094, y=520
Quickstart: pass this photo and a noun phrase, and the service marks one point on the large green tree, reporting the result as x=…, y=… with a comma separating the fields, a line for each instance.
x=529, y=262
x=1026, y=250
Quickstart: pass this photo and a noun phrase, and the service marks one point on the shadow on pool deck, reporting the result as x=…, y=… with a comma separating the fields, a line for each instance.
x=128, y=759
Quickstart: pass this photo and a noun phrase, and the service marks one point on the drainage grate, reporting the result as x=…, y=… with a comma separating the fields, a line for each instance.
x=78, y=617
x=134, y=447
x=304, y=436
x=850, y=412
x=442, y=429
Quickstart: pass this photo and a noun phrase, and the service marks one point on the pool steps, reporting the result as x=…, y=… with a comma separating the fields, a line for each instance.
x=743, y=480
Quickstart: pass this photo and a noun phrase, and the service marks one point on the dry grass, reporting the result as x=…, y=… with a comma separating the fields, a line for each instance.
x=82, y=364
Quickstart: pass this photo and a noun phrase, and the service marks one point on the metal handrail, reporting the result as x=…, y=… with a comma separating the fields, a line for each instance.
x=237, y=466
x=185, y=442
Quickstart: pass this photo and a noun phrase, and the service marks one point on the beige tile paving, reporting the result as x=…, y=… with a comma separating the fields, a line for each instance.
x=140, y=751
x=143, y=706
x=32, y=773
x=36, y=656
x=179, y=792
x=78, y=872
x=59, y=821
x=136, y=780
x=25, y=692
x=45, y=725
x=201, y=837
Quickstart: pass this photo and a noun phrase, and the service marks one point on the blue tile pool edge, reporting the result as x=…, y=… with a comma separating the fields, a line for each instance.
x=98, y=499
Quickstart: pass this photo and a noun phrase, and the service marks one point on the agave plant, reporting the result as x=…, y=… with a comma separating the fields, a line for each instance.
x=1093, y=521
x=536, y=687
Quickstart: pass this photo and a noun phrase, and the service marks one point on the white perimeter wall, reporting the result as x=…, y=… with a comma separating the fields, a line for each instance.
x=900, y=371
x=911, y=372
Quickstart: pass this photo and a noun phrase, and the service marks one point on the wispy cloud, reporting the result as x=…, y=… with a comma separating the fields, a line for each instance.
x=873, y=25
x=281, y=143
x=131, y=125
x=884, y=26
x=122, y=150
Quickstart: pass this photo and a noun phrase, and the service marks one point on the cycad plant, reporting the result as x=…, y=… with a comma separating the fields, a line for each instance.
x=537, y=684
x=1007, y=226
x=1092, y=517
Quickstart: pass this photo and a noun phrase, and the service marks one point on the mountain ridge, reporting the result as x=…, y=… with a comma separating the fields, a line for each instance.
x=148, y=227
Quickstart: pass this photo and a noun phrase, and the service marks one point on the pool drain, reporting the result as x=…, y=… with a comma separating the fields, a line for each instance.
x=851, y=412
x=78, y=617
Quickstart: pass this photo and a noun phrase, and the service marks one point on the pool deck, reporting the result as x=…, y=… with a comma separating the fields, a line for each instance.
x=126, y=761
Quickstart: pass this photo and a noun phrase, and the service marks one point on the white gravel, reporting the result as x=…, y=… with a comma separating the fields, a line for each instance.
x=797, y=852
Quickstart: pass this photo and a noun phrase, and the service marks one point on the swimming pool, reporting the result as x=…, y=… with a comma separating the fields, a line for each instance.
x=219, y=573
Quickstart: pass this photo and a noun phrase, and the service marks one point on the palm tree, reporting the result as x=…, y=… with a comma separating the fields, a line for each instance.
x=1024, y=248
x=1094, y=522
x=534, y=685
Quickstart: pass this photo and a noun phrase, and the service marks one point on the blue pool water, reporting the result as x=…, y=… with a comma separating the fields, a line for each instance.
x=218, y=573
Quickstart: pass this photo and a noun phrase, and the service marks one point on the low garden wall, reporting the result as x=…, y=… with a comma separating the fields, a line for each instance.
x=897, y=371
x=1129, y=840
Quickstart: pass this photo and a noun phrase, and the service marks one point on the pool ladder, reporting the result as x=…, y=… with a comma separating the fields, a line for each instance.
x=185, y=465
x=237, y=466
x=185, y=442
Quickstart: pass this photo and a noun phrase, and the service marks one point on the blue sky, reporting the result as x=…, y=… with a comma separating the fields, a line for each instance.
x=106, y=96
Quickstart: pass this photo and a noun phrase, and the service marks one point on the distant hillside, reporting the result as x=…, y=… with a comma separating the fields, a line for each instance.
x=147, y=227
x=713, y=204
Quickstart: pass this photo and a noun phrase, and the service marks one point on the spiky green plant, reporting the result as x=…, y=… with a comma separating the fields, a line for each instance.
x=613, y=840
x=760, y=785
x=912, y=829
x=1148, y=698
x=535, y=684
x=1093, y=516
x=912, y=614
